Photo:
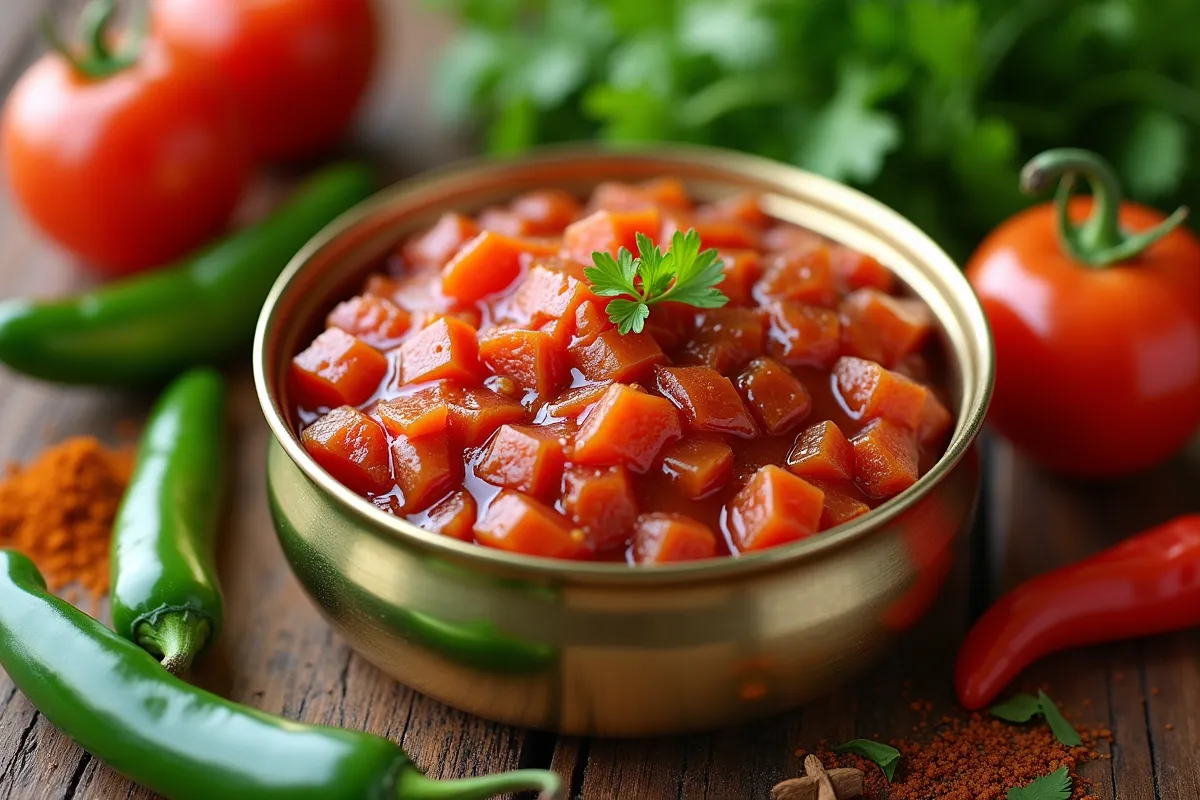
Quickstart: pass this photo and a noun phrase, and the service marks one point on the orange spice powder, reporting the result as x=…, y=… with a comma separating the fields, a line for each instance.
x=978, y=758
x=59, y=511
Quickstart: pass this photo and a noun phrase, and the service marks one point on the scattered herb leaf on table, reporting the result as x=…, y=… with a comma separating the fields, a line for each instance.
x=887, y=757
x=1055, y=786
x=1025, y=707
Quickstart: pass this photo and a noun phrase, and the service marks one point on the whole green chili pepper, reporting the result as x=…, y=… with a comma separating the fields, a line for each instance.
x=146, y=329
x=115, y=700
x=165, y=594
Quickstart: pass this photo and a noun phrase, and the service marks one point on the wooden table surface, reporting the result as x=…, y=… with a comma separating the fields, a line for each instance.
x=277, y=654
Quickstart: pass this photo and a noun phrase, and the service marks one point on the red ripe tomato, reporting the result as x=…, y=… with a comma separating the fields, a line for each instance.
x=298, y=68
x=130, y=170
x=1097, y=366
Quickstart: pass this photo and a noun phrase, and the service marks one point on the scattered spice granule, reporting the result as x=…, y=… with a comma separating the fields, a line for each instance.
x=1169, y=726
x=59, y=510
x=1154, y=691
x=978, y=758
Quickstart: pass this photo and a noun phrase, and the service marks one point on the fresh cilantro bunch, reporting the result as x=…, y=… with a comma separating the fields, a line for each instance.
x=930, y=105
x=683, y=274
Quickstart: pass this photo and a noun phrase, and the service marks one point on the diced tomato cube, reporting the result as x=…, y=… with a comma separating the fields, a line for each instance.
x=505, y=222
x=475, y=414
x=855, y=270
x=708, y=400
x=573, y=402
x=934, y=421
x=713, y=233
x=742, y=268
x=614, y=356
x=487, y=264
x=883, y=328
x=698, y=467
x=548, y=211
x=725, y=339
x=337, y=369
x=609, y=231
x=668, y=538
x=532, y=358
x=601, y=501
x=822, y=452
x=520, y=524
x=868, y=391
x=843, y=502
x=915, y=367
x=804, y=276
x=785, y=238
x=351, y=447
x=438, y=245
x=773, y=508
x=885, y=458
x=523, y=457
x=745, y=208
x=591, y=320
x=547, y=298
x=803, y=335
x=425, y=469
x=377, y=321
x=445, y=350
x=454, y=516
x=671, y=324
x=627, y=426
x=419, y=414
x=775, y=395
x=657, y=193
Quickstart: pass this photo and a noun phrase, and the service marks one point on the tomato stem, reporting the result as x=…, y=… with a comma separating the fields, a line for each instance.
x=95, y=58
x=1099, y=240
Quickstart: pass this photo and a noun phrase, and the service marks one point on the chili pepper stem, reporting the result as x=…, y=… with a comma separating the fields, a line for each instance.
x=1099, y=240
x=412, y=785
x=176, y=637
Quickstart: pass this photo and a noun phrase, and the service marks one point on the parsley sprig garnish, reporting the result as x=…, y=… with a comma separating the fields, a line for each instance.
x=683, y=274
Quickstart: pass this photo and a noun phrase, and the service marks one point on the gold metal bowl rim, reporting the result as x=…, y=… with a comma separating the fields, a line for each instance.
x=605, y=572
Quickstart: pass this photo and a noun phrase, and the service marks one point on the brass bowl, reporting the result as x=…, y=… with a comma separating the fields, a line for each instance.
x=602, y=648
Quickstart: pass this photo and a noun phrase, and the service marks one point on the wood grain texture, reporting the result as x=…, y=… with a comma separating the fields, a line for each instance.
x=277, y=654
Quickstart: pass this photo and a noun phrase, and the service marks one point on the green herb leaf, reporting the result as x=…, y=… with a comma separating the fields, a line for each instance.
x=1055, y=786
x=1019, y=708
x=888, y=758
x=1063, y=731
x=629, y=315
x=848, y=140
x=684, y=274
x=1154, y=159
x=1024, y=707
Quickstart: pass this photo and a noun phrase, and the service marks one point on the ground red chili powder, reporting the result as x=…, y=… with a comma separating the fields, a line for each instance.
x=978, y=758
x=59, y=511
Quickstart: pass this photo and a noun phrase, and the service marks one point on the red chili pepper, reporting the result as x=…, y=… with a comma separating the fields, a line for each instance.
x=1146, y=585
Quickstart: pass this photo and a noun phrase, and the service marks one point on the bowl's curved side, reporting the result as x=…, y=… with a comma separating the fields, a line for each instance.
x=617, y=660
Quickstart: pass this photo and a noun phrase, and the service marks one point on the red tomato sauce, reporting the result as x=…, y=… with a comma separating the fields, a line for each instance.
x=477, y=387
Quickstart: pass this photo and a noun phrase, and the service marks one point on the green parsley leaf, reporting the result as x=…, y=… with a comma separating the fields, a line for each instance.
x=888, y=758
x=612, y=277
x=1063, y=731
x=684, y=274
x=1024, y=707
x=1055, y=786
x=629, y=315
x=1019, y=708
